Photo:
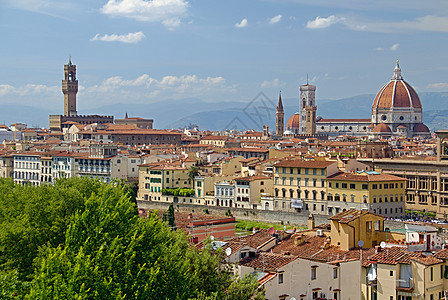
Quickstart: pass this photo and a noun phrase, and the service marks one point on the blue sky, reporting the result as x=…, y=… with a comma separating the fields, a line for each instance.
x=136, y=51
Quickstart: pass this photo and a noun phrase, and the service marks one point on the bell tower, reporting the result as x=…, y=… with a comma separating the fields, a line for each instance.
x=279, y=117
x=307, y=99
x=70, y=89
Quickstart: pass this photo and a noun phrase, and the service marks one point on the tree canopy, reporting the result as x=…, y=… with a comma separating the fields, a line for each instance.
x=83, y=239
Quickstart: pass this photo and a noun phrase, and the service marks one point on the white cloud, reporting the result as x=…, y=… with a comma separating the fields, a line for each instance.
x=425, y=23
x=145, y=86
x=172, y=23
x=319, y=22
x=394, y=47
x=132, y=38
x=166, y=11
x=242, y=24
x=272, y=84
x=440, y=85
x=6, y=89
x=275, y=19
x=117, y=89
x=28, y=90
x=30, y=94
x=379, y=49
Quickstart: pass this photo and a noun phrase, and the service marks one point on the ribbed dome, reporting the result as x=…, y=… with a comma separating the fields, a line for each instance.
x=382, y=128
x=293, y=122
x=422, y=128
x=397, y=93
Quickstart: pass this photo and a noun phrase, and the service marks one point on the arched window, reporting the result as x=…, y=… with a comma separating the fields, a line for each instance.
x=266, y=206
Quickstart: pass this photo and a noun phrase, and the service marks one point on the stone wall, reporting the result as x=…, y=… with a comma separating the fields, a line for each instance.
x=299, y=219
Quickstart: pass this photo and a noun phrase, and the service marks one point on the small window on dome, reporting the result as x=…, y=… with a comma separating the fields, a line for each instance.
x=364, y=128
x=322, y=127
x=336, y=128
x=350, y=128
x=401, y=118
x=383, y=117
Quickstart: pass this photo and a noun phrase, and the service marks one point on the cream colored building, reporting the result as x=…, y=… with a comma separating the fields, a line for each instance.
x=250, y=189
x=231, y=165
x=369, y=190
x=426, y=182
x=214, y=140
x=6, y=165
x=155, y=178
x=300, y=186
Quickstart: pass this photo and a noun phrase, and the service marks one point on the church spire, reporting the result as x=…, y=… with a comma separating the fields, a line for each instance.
x=279, y=117
x=126, y=115
x=280, y=104
x=397, y=72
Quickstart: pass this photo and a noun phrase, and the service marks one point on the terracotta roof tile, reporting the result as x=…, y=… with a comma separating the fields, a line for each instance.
x=427, y=260
x=364, y=177
x=255, y=240
x=304, y=164
x=268, y=261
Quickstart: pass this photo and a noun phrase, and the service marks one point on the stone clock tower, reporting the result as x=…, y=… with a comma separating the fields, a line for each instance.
x=307, y=108
x=70, y=89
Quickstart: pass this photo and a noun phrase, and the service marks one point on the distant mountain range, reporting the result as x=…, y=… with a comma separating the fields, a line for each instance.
x=231, y=115
x=435, y=112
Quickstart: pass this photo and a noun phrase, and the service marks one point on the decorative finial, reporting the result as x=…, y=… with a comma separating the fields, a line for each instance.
x=306, y=78
x=397, y=72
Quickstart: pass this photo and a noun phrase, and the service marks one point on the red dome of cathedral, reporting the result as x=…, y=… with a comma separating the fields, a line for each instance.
x=293, y=122
x=397, y=93
x=421, y=128
x=382, y=128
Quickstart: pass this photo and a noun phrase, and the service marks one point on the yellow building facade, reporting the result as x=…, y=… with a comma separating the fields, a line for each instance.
x=382, y=194
x=301, y=186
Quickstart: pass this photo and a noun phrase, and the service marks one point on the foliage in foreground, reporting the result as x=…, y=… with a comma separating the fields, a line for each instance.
x=83, y=239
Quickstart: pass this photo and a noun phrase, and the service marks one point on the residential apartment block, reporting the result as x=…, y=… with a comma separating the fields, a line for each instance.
x=366, y=190
x=300, y=185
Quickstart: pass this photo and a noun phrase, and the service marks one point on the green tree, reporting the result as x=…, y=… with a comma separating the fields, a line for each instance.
x=83, y=239
x=169, y=218
x=193, y=172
